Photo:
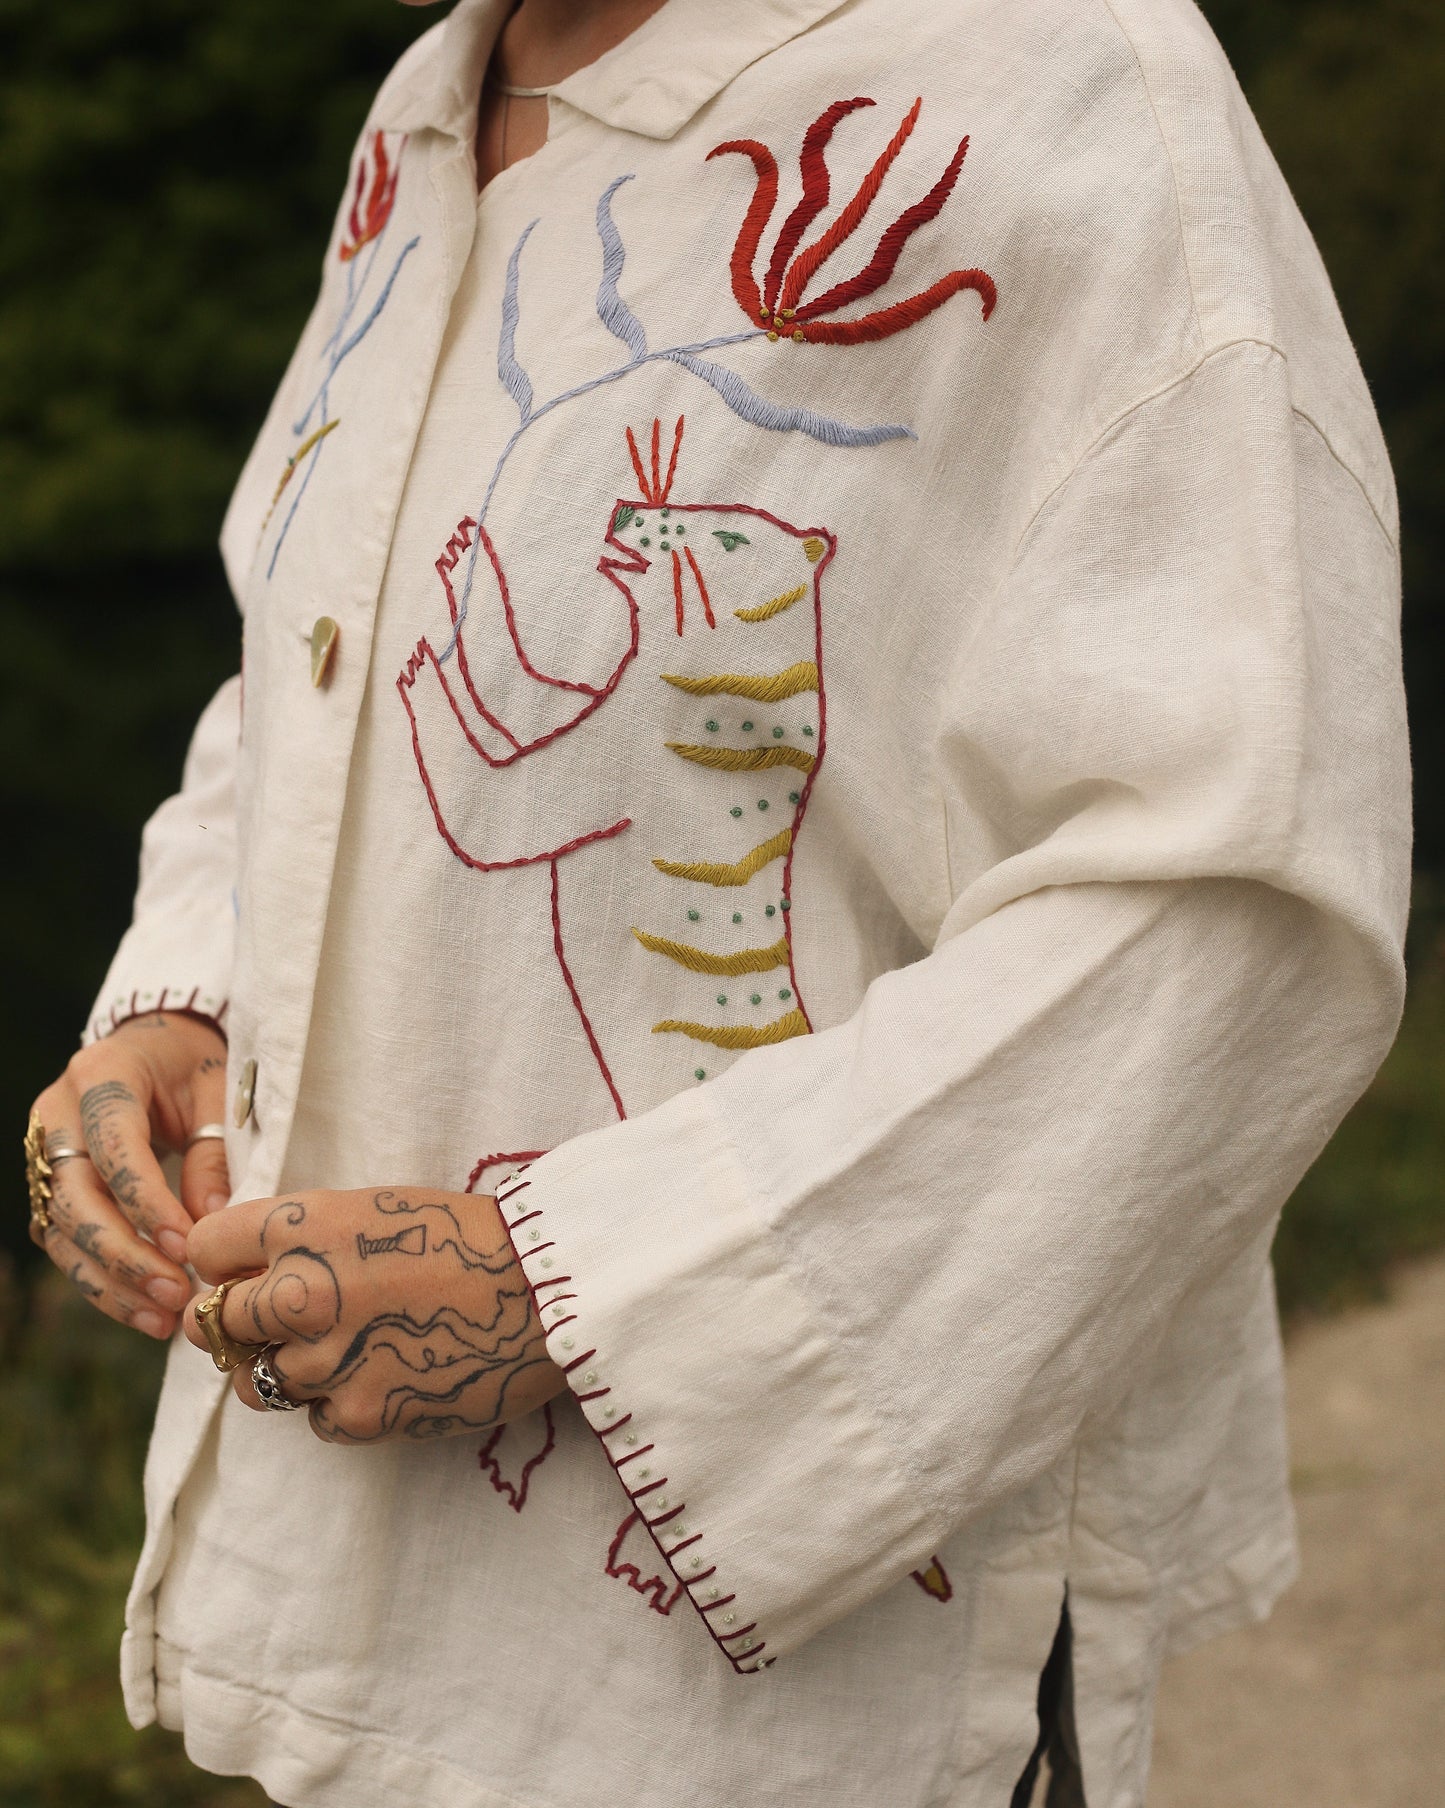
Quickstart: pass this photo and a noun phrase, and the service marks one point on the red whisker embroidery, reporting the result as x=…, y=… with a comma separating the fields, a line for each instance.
x=677, y=588
x=696, y=570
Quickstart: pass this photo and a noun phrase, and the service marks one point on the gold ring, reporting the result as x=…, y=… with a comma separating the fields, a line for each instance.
x=38, y=1173
x=226, y=1353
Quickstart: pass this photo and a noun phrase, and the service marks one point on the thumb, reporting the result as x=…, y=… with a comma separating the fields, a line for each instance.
x=205, y=1179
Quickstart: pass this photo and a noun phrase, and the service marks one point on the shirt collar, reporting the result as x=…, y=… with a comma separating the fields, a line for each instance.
x=652, y=83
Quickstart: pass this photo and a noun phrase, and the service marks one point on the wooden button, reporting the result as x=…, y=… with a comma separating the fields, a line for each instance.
x=245, y=1093
x=324, y=636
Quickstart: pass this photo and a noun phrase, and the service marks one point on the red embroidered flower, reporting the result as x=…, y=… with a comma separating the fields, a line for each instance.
x=779, y=303
x=371, y=211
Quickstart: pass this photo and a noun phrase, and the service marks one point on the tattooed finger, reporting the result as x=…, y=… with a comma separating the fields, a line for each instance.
x=102, y=1291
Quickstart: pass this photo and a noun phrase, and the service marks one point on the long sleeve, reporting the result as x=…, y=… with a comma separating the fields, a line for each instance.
x=849, y=1296
x=179, y=947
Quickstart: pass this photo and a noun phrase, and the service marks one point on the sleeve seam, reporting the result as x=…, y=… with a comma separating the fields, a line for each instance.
x=1309, y=420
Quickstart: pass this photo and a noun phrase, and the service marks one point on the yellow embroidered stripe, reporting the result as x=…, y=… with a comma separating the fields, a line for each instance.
x=763, y=687
x=739, y=1035
x=765, y=611
x=746, y=960
x=729, y=872
x=744, y=759
x=300, y=453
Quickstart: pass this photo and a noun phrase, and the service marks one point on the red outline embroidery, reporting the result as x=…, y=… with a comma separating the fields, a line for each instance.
x=655, y=1587
x=515, y=1493
x=940, y=1589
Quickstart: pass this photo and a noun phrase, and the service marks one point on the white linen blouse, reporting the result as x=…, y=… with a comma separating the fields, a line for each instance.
x=860, y=783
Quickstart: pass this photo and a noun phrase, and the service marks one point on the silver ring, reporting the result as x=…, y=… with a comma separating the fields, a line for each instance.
x=57, y=1152
x=206, y=1133
x=268, y=1388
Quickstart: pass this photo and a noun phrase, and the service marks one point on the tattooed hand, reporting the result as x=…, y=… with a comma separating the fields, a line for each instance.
x=117, y=1230
x=399, y=1314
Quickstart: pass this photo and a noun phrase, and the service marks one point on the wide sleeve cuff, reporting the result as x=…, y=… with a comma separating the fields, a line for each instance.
x=713, y=1431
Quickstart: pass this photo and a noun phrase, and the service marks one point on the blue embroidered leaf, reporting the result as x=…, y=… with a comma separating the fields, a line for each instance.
x=730, y=540
x=514, y=378
x=615, y=314
x=778, y=417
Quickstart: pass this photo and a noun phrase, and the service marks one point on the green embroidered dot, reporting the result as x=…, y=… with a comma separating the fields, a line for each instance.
x=794, y=797
x=762, y=803
x=806, y=729
x=692, y=916
x=679, y=529
x=644, y=541
x=737, y=810
x=787, y=903
x=785, y=993
x=711, y=727
x=737, y=916
x=757, y=998
x=770, y=910
x=666, y=513
x=699, y=1073
x=747, y=727
x=722, y=997
x=777, y=734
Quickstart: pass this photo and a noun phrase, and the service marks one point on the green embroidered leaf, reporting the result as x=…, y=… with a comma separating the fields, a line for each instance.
x=624, y=514
x=730, y=539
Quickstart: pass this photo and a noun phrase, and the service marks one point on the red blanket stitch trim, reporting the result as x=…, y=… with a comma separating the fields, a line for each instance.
x=654, y=1588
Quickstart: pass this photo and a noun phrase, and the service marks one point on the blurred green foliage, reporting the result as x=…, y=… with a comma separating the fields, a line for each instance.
x=168, y=172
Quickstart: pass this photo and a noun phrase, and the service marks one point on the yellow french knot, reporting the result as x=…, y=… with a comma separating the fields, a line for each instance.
x=745, y=960
x=744, y=759
x=762, y=687
x=730, y=872
x=739, y=1035
x=815, y=548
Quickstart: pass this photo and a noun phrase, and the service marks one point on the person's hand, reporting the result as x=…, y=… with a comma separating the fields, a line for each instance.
x=401, y=1313
x=116, y=1228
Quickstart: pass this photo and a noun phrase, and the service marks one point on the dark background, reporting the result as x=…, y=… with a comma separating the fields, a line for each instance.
x=168, y=173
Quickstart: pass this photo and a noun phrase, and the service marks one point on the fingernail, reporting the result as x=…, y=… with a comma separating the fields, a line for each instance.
x=173, y=1244
x=216, y=1202
x=151, y=1323
x=170, y=1294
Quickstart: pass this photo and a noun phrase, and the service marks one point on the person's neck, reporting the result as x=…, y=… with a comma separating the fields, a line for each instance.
x=545, y=41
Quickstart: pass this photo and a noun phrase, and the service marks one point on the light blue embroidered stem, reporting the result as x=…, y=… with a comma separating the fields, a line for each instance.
x=514, y=379
x=620, y=320
x=616, y=316
x=776, y=415
x=301, y=490
x=348, y=346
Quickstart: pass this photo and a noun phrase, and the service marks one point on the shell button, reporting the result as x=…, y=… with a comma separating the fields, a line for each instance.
x=325, y=634
x=245, y=1093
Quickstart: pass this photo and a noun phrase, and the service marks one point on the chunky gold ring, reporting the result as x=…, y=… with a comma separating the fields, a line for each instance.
x=38, y=1172
x=226, y=1353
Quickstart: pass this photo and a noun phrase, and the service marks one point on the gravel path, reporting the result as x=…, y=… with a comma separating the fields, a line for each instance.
x=1339, y=1701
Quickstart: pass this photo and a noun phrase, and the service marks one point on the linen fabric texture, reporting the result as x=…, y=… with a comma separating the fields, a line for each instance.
x=893, y=1018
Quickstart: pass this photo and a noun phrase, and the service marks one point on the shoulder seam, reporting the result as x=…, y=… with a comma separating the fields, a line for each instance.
x=1349, y=470
x=1112, y=426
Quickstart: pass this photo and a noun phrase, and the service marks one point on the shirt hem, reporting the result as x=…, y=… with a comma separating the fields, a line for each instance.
x=303, y=1760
